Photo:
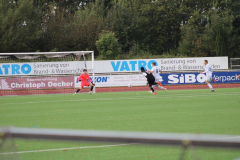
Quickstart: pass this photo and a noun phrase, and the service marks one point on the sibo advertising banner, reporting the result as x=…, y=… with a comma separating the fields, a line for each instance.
x=134, y=65
x=166, y=79
x=36, y=83
x=196, y=78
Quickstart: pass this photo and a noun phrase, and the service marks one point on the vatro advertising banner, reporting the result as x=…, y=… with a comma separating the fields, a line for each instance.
x=36, y=83
x=42, y=68
x=165, y=64
x=109, y=66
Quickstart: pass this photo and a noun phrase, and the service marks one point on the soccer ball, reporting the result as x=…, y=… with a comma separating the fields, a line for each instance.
x=129, y=85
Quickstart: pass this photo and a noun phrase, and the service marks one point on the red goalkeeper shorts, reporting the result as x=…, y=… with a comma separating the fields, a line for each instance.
x=84, y=83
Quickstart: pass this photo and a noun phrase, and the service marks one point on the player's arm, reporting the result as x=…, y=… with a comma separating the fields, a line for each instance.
x=238, y=76
x=210, y=69
x=160, y=71
x=80, y=78
x=203, y=72
x=206, y=70
x=145, y=75
x=90, y=80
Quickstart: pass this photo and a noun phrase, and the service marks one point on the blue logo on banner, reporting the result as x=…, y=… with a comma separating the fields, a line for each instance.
x=97, y=79
x=124, y=66
x=14, y=69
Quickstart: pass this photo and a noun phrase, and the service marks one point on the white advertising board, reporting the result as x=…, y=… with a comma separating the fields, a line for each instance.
x=42, y=68
x=166, y=64
x=76, y=67
x=116, y=80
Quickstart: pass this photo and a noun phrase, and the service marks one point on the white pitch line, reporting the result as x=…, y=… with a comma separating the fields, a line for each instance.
x=120, y=98
x=58, y=149
x=86, y=147
x=54, y=95
x=230, y=137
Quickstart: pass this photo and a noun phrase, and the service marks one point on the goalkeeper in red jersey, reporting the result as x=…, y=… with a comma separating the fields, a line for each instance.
x=83, y=79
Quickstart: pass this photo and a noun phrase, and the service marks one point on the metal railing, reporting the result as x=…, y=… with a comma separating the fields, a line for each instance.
x=234, y=65
x=176, y=139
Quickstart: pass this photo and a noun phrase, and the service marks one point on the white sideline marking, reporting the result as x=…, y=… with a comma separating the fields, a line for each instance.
x=86, y=147
x=58, y=149
x=230, y=137
x=122, y=98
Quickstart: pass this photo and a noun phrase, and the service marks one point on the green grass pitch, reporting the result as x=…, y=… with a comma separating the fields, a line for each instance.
x=178, y=111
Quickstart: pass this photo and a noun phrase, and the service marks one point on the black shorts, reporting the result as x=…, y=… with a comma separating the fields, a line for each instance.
x=152, y=82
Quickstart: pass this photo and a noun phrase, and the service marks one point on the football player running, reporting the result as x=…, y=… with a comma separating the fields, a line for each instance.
x=156, y=73
x=208, y=71
x=150, y=79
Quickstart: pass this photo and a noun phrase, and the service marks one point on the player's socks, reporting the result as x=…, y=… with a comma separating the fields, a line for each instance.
x=209, y=85
x=214, y=80
x=76, y=92
x=152, y=90
x=161, y=87
x=159, y=84
x=165, y=90
x=91, y=89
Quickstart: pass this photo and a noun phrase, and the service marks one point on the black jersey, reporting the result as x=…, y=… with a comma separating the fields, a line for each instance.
x=150, y=77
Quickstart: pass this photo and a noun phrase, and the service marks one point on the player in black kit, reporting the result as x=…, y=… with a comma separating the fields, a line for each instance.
x=150, y=79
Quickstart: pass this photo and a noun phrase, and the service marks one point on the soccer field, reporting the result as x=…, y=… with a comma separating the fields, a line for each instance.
x=178, y=111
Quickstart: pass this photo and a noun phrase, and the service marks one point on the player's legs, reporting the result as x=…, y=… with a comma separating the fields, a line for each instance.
x=152, y=89
x=91, y=85
x=210, y=86
x=160, y=85
x=84, y=84
x=209, y=79
x=152, y=83
x=153, y=86
x=78, y=90
x=214, y=80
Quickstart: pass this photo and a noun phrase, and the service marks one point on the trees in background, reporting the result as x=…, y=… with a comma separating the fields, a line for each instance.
x=19, y=26
x=209, y=33
x=108, y=45
x=212, y=37
x=122, y=27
